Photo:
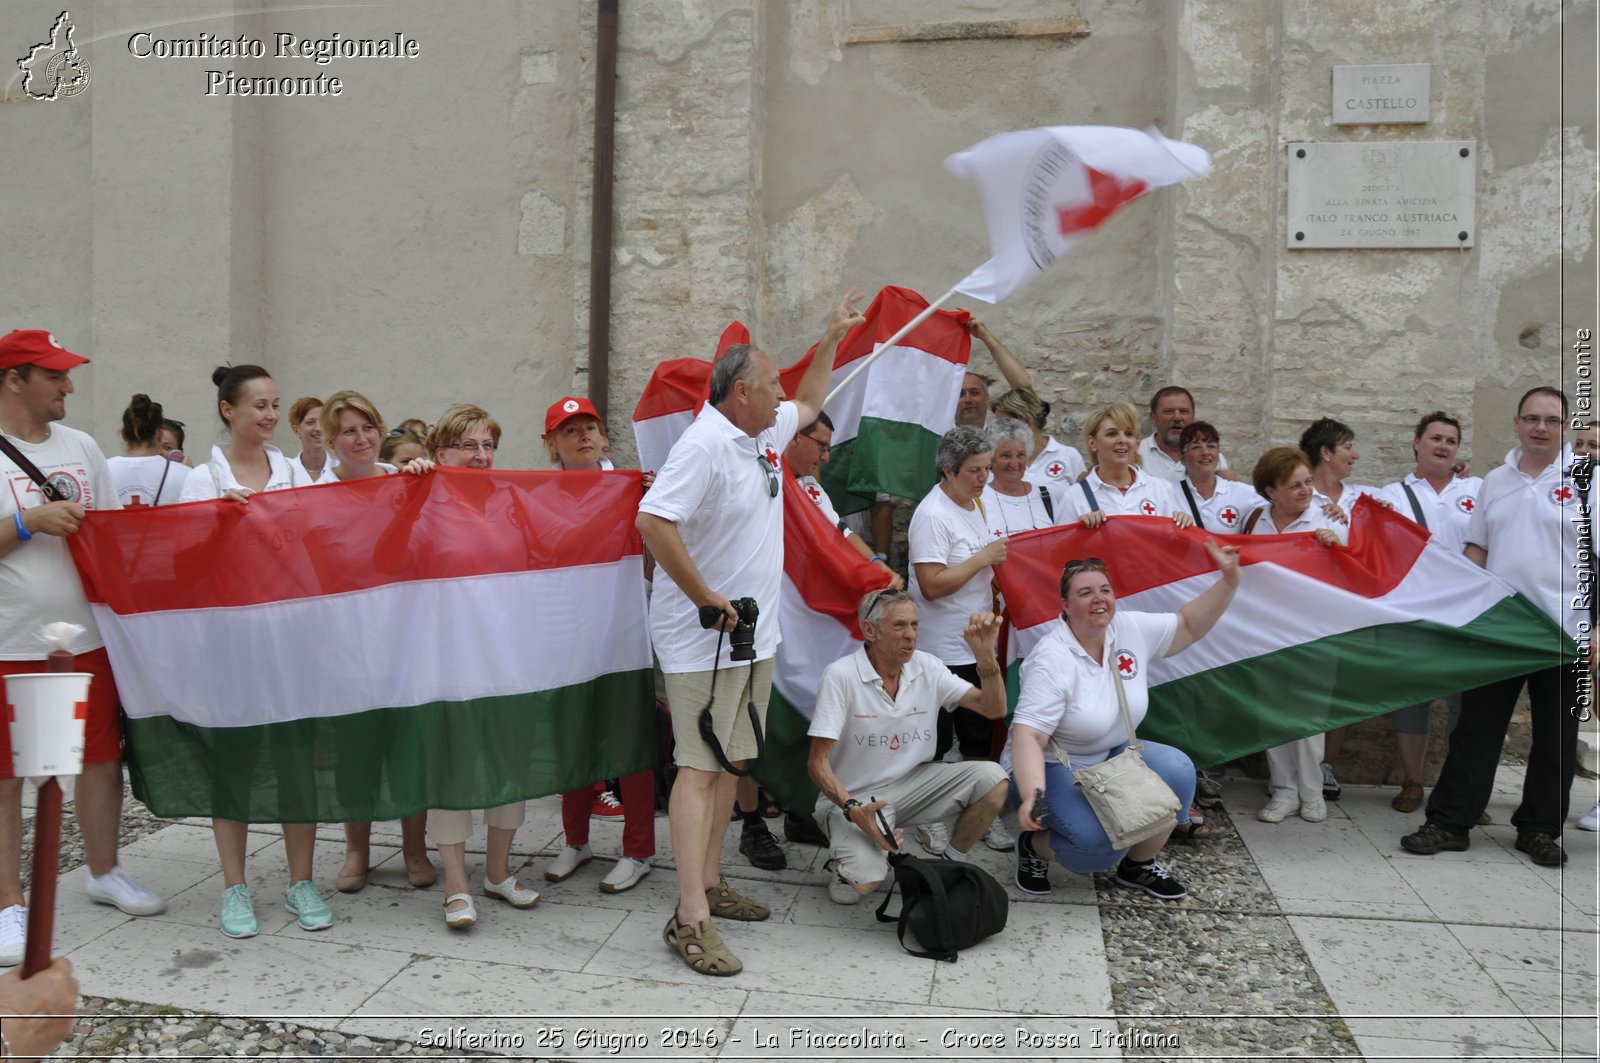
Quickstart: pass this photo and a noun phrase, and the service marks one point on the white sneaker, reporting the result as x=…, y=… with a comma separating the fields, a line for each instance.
x=1279, y=809
x=1314, y=810
x=933, y=837
x=117, y=887
x=1591, y=821
x=567, y=861
x=842, y=892
x=998, y=838
x=13, y=934
x=625, y=875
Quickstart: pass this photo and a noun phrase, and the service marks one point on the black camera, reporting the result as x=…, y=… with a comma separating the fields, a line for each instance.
x=742, y=639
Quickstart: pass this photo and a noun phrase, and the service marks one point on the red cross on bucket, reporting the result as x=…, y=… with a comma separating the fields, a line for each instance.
x=1124, y=664
x=1109, y=194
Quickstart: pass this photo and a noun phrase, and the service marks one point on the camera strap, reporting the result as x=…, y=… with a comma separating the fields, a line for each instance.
x=708, y=729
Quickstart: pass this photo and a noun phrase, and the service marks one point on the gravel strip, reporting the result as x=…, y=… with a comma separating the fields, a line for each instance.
x=1219, y=974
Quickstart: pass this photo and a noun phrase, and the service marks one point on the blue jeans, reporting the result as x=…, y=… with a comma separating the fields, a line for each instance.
x=1076, y=836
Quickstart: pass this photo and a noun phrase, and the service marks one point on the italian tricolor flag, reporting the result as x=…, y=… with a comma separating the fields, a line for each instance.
x=363, y=650
x=1317, y=637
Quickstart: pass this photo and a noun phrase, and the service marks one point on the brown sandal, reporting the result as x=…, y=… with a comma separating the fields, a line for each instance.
x=726, y=904
x=701, y=947
x=1409, y=799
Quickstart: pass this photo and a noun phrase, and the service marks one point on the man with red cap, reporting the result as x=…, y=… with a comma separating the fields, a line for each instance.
x=50, y=475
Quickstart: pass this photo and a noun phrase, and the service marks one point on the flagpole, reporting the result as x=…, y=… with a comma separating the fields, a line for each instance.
x=905, y=330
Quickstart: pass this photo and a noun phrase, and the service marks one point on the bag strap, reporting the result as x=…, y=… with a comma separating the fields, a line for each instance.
x=30, y=469
x=941, y=901
x=156, y=501
x=1049, y=507
x=1250, y=521
x=1088, y=492
x=1127, y=720
x=1416, y=503
x=708, y=731
x=1193, y=506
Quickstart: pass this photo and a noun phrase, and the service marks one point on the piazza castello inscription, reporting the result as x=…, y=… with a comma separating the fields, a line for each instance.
x=1382, y=194
x=1381, y=95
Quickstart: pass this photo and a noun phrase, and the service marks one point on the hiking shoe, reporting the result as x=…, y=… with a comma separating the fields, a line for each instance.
x=305, y=903
x=1330, y=783
x=1541, y=848
x=13, y=934
x=1152, y=878
x=933, y=837
x=567, y=862
x=607, y=805
x=803, y=830
x=1033, y=872
x=1207, y=790
x=625, y=875
x=118, y=888
x=238, y=914
x=1590, y=820
x=1278, y=809
x=1436, y=838
x=761, y=848
x=997, y=837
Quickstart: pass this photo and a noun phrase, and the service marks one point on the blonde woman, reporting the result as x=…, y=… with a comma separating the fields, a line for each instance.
x=1118, y=485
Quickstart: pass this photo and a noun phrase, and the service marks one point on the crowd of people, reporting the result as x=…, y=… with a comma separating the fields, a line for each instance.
x=913, y=729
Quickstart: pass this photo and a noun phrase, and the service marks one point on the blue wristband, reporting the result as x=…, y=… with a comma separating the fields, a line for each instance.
x=875, y=558
x=23, y=534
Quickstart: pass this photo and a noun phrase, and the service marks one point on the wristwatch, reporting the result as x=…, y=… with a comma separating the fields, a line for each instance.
x=852, y=803
x=988, y=672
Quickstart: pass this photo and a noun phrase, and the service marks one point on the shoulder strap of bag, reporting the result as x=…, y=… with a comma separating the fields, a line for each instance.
x=1193, y=506
x=934, y=892
x=30, y=469
x=216, y=477
x=1088, y=492
x=1049, y=507
x=1127, y=721
x=166, y=468
x=1416, y=503
x=1250, y=521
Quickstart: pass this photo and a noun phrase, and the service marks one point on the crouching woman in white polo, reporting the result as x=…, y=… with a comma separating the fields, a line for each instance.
x=1069, y=694
x=873, y=736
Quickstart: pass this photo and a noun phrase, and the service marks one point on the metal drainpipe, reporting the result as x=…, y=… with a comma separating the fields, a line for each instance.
x=605, y=108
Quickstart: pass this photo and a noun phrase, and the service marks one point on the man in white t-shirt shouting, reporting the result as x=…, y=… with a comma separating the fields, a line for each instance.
x=714, y=522
x=873, y=738
x=39, y=585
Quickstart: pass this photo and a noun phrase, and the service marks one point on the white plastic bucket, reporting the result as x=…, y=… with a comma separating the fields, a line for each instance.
x=47, y=712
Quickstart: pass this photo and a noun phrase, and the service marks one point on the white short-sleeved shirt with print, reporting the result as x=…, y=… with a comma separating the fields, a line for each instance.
x=1068, y=694
x=1157, y=464
x=1528, y=525
x=1148, y=496
x=944, y=533
x=1311, y=520
x=881, y=740
x=814, y=491
x=38, y=582
x=715, y=489
x=1446, y=513
x=139, y=480
x=1225, y=510
x=1056, y=468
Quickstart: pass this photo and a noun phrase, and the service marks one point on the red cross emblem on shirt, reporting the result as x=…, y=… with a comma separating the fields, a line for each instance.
x=1056, y=468
x=816, y=495
x=1148, y=508
x=1126, y=664
x=1561, y=494
x=136, y=503
x=1229, y=515
x=772, y=457
x=1109, y=194
x=1466, y=505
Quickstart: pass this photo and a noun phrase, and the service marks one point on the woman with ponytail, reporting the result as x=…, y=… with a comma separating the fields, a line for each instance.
x=143, y=475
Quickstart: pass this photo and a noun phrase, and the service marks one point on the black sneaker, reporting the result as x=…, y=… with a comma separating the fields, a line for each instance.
x=1207, y=790
x=1330, y=783
x=1152, y=878
x=1541, y=848
x=761, y=848
x=1033, y=873
x=1435, y=838
x=803, y=830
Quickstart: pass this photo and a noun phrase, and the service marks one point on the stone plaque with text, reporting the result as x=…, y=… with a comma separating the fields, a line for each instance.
x=1370, y=95
x=1383, y=194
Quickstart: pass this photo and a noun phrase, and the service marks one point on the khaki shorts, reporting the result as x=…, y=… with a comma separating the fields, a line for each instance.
x=932, y=793
x=737, y=685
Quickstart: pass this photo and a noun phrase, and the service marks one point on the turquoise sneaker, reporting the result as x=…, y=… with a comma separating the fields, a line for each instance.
x=238, y=914
x=305, y=903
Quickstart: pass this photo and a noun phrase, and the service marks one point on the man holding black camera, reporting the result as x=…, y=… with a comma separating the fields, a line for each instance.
x=714, y=522
x=873, y=736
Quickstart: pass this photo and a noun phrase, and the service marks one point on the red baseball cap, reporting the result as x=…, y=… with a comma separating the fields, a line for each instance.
x=35, y=346
x=563, y=410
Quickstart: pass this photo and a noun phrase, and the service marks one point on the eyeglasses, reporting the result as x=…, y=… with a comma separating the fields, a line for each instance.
x=826, y=448
x=1534, y=421
x=881, y=595
x=1077, y=565
x=396, y=433
x=772, y=475
x=473, y=448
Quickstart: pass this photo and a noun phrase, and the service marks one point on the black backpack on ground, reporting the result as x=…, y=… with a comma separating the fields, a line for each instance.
x=947, y=905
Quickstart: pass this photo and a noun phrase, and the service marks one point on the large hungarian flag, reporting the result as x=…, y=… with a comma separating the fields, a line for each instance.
x=1317, y=637
x=363, y=650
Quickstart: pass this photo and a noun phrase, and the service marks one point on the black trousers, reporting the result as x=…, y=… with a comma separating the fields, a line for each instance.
x=972, y=730
x=1468, y=775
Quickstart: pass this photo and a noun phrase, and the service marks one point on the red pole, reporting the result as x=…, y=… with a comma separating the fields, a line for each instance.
x=46, y=858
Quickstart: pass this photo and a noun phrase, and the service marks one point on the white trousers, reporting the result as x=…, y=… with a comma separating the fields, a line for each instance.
x=1296, y=770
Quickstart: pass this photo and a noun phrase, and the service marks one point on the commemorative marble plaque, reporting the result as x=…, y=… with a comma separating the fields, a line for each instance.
x=1376, y=95
x=1382, y=194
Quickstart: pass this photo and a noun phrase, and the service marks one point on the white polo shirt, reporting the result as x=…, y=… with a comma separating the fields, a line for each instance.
x=1067, y=693
x=714, y=488
x=1313, y=519
x=216, y=476
x=1349, y=494
x=1157, y=464
x=1446, y=513
x=1056, y=469
x=1147, y=496
x=881, y=739
x=303, y=477
x=1529, y=526
x=1224, y=512
x=814, y=491
x=943, y=533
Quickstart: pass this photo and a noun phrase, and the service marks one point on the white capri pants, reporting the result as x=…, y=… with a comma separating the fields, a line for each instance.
x=451, y=826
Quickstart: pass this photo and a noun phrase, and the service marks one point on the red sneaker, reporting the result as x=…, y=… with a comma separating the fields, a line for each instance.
x=606, y=805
